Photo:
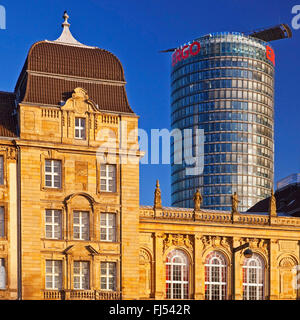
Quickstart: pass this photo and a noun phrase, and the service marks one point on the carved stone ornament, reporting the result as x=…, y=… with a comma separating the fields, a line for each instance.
x=157, y=197
x=197, y=200
x=215, y=242
x=272, y=206
x=178, y=240
x=12, y=153
x=261, y=245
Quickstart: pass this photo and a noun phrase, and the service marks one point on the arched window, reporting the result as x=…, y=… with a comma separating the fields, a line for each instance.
x=177, y=275
x=253, y=278
x=215, y=276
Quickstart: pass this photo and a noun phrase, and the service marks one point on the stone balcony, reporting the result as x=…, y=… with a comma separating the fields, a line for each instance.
x=81, y=295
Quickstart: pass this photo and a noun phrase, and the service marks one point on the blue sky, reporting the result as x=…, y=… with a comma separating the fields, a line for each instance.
x=135, y=30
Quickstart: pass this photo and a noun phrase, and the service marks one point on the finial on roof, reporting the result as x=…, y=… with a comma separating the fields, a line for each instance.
x=66, y=17
x=66, y=36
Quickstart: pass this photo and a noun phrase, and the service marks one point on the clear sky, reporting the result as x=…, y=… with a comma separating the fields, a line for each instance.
x=135, y=30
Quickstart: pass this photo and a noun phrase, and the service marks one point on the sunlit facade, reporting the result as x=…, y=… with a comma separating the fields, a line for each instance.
x=226, y=87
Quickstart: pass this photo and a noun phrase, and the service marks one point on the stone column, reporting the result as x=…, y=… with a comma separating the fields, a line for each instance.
x=199, y=272
x=160, y=277
x=238, y=270
x=273, y=273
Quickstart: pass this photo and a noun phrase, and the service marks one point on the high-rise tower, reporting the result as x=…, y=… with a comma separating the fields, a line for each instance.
x=224, y=83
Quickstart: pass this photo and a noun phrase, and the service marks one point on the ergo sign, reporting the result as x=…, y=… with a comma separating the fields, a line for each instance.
x=270, y=54
x=181, y=54
x=194, y=48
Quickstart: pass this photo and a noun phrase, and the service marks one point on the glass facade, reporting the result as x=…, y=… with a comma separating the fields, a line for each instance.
x=226, y=89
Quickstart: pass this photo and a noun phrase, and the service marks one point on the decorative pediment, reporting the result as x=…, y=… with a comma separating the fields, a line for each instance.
x=80, y=250
x=80, y=102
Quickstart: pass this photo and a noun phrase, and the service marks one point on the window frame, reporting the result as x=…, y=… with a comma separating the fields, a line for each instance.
x=184, y=270
x=3, y=263
x=52, y=174
x=259, y=275
x=81, y=128
x=221, y=272
x=105, y=228
x=53, y=224
x=53, y=274
x=107, y=178
x=107, y=276
x=81, y=275
x=81, y=225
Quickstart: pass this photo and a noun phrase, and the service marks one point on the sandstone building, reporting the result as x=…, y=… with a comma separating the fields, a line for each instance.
x=71, y=226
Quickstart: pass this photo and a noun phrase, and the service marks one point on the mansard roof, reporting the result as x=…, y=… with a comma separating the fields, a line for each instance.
x=8, y=117
x=53, y=69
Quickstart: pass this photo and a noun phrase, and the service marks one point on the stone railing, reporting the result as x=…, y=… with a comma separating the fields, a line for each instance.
x=215, y=216
x=53, y=295
x=81, y=295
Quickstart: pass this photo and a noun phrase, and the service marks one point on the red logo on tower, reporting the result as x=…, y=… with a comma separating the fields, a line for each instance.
x=270, y=54
x=188, y=50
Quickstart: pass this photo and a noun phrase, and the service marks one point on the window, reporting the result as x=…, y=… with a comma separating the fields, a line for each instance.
x=108, y=227
x=53, y=274
x=80, y=128
x=253, y=278
x=81, y=275
x=177, y=275
x=2, y=274
x=81, y=225
x=2, y=222
x=53, y=173
x=108, y=276
x=215, y=276
x=1, y=170
x=53, y=224
x=108, y=177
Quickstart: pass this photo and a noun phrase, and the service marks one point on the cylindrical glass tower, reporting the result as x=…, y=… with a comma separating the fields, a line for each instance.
x=224, y=83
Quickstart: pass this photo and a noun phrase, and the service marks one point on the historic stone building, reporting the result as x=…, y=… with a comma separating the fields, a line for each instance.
x=71, y=226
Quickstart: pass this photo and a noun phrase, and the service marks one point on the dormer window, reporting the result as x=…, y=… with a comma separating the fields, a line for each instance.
x=80, y=128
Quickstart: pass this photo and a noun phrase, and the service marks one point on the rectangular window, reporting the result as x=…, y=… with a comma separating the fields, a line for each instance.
x=1, y=170
x=108, y=177
x=53, y=174
x=81, y=225
x=80, y=128
x=81, y=275
x=108, y=276
x=2, y=223
x=2, y=274
x=53, y=274
x=53, y=224
x=108, y=227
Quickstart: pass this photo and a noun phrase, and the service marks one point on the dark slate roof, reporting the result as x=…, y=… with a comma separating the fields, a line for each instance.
x=287, y=201
x=8, y=119
x=53, y=70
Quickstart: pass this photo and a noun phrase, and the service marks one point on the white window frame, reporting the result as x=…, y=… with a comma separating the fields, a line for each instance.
x=106, y=178
x=53, y=274
x=52, y=174
x=254, y=264
x=107, y=275
x=81, y=225
x=83, y=285
x=173, y=266
x=80, y=128
x=53, y=225
x=108, y=227
x=215, y=265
